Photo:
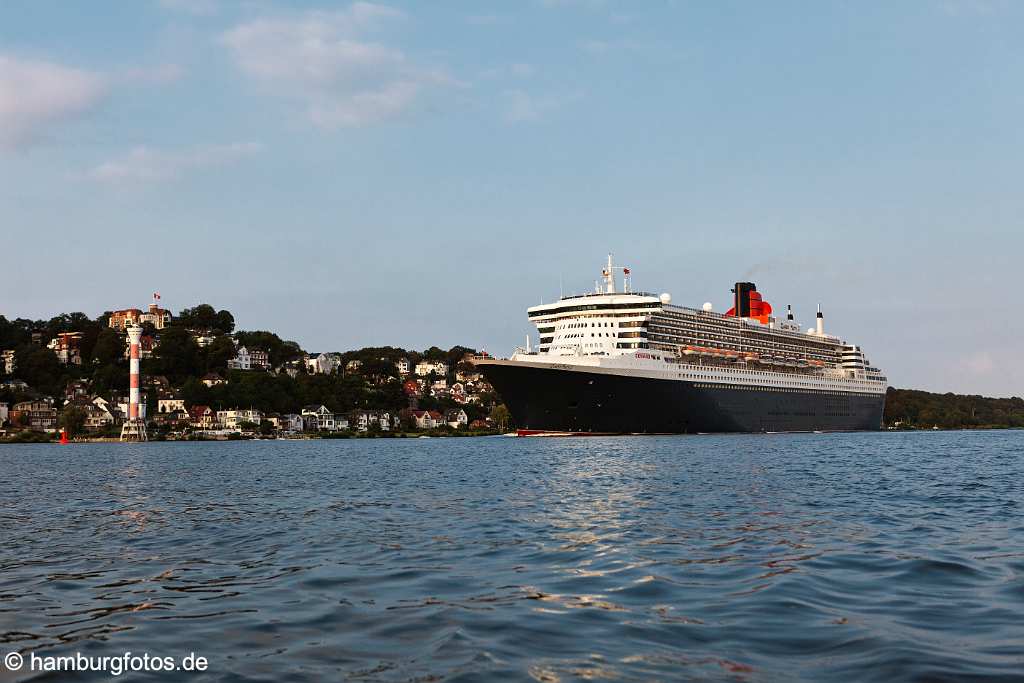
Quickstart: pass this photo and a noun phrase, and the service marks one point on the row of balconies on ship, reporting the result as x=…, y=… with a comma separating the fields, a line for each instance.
x=743, y=346
x=630, y=334
x=744, y=335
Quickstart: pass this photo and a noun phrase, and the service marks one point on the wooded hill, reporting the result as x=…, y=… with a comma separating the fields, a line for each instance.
x=913, y=409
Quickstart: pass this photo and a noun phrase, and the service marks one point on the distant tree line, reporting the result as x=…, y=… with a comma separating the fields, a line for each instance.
x=913, y=409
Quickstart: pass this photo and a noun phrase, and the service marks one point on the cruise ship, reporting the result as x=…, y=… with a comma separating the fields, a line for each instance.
x=617, y=361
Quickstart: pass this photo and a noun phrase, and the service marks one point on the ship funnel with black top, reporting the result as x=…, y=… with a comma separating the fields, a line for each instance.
x=741, y=298
x=748, y=303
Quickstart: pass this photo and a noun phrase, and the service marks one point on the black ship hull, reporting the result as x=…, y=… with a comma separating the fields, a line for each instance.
x=545, y=399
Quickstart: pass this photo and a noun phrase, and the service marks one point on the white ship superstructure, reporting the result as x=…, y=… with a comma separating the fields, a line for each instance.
x=645, y=333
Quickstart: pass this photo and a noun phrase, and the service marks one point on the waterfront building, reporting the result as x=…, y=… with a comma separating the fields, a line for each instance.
x=235, y=417
x=38, y=415
x=457, y=419
x=97, y=415
x=319, y=418
x=291, y=423
x=202, y=417
x=362, y=420
x=427, y=419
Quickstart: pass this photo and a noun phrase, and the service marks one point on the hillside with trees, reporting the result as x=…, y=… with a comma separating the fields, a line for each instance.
x=200, y=343
x=913, y=409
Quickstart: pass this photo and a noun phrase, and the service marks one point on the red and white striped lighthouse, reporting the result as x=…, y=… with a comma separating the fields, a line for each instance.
x=134, y=428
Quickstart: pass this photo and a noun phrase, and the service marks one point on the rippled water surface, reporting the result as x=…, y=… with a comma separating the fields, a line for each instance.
x=724, y=558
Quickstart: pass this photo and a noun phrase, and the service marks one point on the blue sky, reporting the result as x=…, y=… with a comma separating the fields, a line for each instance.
x=419, y=173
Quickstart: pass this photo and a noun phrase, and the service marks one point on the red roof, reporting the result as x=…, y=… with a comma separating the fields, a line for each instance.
x=198, y=411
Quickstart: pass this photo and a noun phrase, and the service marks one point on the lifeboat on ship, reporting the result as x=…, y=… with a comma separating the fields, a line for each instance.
x=690, y=351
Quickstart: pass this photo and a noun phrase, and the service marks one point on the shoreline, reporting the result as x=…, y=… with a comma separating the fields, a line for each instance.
x=53, y=439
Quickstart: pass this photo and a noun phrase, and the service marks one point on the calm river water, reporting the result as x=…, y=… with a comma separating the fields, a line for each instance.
x=830, y=557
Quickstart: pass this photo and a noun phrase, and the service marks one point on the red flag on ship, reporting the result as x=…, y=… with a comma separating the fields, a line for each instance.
x=156, y=296
x=625, y=271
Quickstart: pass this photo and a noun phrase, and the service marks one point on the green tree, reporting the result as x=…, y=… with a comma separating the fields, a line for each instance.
x=201, y=317
x=108, y=378
x=195, y=393
x=219, y=353
x=279, y=350
x=109, y=347
x=177, y=355
x=41, y=369
x=224, y=322
x=72, y=419
x=501, y=417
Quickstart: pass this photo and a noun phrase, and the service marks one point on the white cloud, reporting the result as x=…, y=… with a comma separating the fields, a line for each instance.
x=146, y=164
x=35, y=95
x=325, y=61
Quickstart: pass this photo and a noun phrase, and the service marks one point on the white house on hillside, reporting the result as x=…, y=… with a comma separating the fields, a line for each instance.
x=241, y=361
x=323, y=364
x=425, y=367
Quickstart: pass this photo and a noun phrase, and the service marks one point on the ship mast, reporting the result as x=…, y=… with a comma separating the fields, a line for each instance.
x=609, y=277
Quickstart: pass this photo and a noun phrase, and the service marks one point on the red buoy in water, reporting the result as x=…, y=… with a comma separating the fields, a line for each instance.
x=63, y=436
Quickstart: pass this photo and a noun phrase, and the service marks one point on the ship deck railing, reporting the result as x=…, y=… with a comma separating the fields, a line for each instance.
x=569, y=297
